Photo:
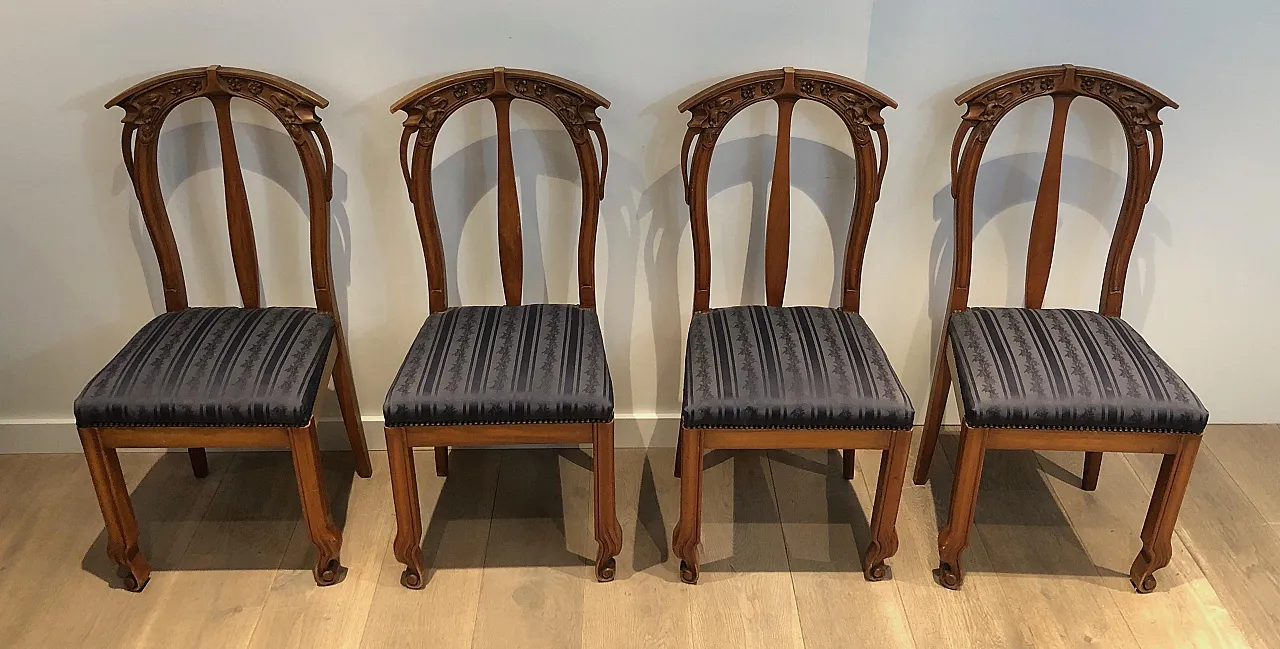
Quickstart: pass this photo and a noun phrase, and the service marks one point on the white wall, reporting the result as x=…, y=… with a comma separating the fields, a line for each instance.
x=80, y=275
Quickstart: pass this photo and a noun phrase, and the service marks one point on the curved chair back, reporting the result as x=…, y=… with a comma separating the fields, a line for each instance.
x=858, y=106
x=429, y=106
x=1134, y=104
x=146, y=106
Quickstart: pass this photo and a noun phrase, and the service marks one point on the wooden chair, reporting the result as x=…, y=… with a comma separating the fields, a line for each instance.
x=514, y=374
x=1058, y=379
x=226, y=376
x=769, y=377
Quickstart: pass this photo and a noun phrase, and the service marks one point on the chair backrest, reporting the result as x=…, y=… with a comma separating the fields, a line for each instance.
x=429, y=106
x=1134, y=104
x=146, y=106
x=858, y=106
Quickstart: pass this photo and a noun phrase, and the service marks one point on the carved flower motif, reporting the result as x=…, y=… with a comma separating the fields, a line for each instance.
x=1026, y=86
x=255, y=87
x=234, y=84
x=1107, y=87
x=1087, y=83
x=175, y=88
x=1046, y=84
x=806, y=86
x=766, y=88
x=460, y=90
x=828, y=90
x=539, y=89
x=748, y=92
x=479, y=86
x=522, y=86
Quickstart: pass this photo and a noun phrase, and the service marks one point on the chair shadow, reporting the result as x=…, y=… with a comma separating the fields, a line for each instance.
x=1018, y=508
x=246, y=523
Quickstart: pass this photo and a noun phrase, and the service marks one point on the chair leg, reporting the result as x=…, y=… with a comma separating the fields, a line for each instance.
x=849, y=460
x=345, y=386
x=608, y=531
x=964, y=495
x=884, y=515
x=404, y=492
x=315, y=505
x=1092, y=468
x=442, y=461
x=688, y=530
x=933, y=414
x=1157, y=531
x=679, y=445
x=117, y=511
x=199, y=462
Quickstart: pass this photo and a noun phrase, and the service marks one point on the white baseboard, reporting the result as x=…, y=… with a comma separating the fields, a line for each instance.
x=60, y=436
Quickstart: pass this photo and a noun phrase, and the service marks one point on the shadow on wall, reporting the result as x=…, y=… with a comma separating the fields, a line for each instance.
x=1006, y=182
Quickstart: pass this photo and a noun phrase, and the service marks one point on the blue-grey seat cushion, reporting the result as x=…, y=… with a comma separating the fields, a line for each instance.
x=213, y=366
x=537, y=363
x=1063, y=368
x=789, y=367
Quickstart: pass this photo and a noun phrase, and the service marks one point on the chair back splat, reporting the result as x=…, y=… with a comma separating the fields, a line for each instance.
x=575, y=106
x=146, y=106
x=858, y=106
x=1135, y=104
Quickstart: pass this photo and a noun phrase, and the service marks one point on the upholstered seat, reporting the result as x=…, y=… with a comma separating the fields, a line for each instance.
x=222, y=366
x=1062, y=368
x=789, y=367
x=539, y=363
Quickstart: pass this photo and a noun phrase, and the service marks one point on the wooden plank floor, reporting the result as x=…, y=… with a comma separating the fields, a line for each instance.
x=508, y=537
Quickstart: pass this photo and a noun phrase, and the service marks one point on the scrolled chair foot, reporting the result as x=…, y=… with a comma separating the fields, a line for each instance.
x=606, y=569
x=329, y=572
x=949, y=576
x=412, y=579
x=133, y=583
x=877, y=572
x=688, y=572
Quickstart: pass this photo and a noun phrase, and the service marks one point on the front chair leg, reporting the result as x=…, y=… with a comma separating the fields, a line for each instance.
x=884, y=515
x=1157, y=531
x=608, y=531
x=934, y=410
x=117, y=511
x=344, y=384
x=688, y=530
x=404, y=492
x=964, y=495
x=315, y=505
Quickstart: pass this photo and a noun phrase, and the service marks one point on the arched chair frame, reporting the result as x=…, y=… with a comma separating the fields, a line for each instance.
x=858, y=106
x=1136, y=106
x=146, y=106
x=427, y=108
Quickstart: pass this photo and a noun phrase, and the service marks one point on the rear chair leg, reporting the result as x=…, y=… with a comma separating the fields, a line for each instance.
x=884, y=515
x=315, y=505
x=679, y=445
x=688, y=530
x=964, y=495
x=344, y=384
x=1092, y=468
x=933, y=414
x=442, y=461
x=1157, y=531
x=404, y=492
x=117, y=511
x=608, y=531
x=849, y=462
x=199, y=462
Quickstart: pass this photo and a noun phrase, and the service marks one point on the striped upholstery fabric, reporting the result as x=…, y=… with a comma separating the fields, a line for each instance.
x=223, y=366
x=794, y=367
x=1061, y=368
x=538, y=363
